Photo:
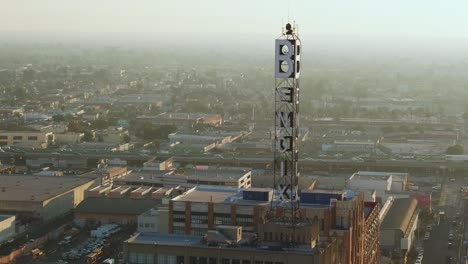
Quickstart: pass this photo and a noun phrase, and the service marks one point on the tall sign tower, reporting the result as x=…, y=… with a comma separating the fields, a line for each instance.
x=286, y=133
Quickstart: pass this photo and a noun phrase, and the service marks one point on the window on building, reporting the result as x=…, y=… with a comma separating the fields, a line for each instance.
x=202, y=260
x=32, y=138
x=212, y=261
x=17, y=137
x=245, y=261
x=171, y=259
x=193, y=260
x=180, y=260
x=222, y=219
x=147, y=225
x=199, y=219
x=244, y=220
x=132, y=258
x=3, y=137
x=179, y=230
x=179, y=216
x=199, y=231
x=258, y=262
x=141, y=224
x=149, y=259
x=235, y=261
x=225, y=261
x=168, y=259
x=141, y=258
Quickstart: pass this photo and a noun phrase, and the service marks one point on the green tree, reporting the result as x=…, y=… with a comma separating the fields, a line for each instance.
x=74, y=126
x=100, y=124
x=455, y=150
x=58, y=118
x=88, y=136
x=126, y=138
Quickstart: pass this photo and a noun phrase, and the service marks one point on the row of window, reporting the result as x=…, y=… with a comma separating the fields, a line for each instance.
x=199, y=219
x=140, y=258
x=146, y=225
x=270, y=236
x=178, y=217
x=218, y=219
x=19, y=137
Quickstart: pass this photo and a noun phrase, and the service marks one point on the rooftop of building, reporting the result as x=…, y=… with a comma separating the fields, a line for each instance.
x=323, y=191
x=232, y=195
x=400, y=214
x=169, y=177
x=5, y=217
x=105, y=205
x=377, y=175
x=234, y=173
x=36, y=188
x=180, y=116
x=215, y=194
x=197, y=241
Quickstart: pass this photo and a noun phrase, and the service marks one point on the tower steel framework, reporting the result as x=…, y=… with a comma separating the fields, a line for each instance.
x=286, y=131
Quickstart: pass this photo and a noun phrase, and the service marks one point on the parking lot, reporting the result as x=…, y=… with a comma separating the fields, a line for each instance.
x=82, y=248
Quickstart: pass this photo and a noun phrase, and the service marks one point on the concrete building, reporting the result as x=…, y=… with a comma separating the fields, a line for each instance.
x=397, y=231
x=69, y=138
x=57, y=161
x=7, y=112
x=177, y=249
x=154, y=221
x=115, y=135
x=341, y=215
x=372, y=232
x=41, y=197
x=29, y=139
x=7, y=227
x=383, y=183
x=349, y=147
x=234, y=177
x=158, y=164
x=107, y=175
x=105, y=210
x=184, y=119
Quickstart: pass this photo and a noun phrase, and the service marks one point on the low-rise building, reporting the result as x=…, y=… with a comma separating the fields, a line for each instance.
x=349, y=147
x=7, y=227
x=383, y=183
x=158, y=164
x=154, y=221
x=69, y=138
x=184, y=119
x=229, y=244
x=104, y=210
x=223, y=176
x=41, y=197
x=397, y=231
x=29, y=139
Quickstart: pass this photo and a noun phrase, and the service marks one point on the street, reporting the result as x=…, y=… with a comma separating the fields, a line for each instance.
x=436, y=249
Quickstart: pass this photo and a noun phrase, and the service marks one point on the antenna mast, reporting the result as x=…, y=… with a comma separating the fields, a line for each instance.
x=286, y=132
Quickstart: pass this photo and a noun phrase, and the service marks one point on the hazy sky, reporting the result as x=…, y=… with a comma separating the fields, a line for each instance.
x=433, y=18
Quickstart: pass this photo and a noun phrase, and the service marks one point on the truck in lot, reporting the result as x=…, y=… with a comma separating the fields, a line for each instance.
x=441, y=216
